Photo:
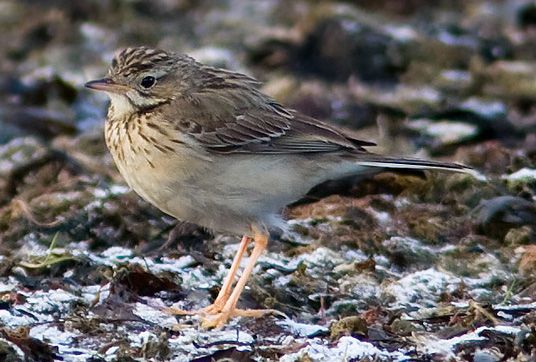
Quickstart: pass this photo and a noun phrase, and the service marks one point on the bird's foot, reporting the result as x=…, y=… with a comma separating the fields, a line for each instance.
x=214, y=308
x=219, y=319
x=177, y=311
x=213, y=316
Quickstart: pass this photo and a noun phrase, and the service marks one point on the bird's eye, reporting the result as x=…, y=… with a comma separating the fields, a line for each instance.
x=148, y=81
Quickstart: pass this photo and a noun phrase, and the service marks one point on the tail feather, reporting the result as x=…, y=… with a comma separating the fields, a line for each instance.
x=371, y=160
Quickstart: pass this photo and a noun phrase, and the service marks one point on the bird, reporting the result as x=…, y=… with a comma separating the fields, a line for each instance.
x=207, y=146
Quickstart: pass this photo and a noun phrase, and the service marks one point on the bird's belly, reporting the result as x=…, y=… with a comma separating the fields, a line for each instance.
x=230, y=193
x=160, y=180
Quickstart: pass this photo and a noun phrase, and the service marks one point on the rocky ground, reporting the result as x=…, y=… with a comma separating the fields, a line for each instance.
x=395, y=267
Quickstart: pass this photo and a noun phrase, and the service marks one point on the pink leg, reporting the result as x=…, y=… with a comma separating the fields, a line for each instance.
x=225, y=290
x=229, y=309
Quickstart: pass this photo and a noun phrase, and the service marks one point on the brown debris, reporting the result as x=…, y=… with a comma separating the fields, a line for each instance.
x=136, y=280
x=527, y=264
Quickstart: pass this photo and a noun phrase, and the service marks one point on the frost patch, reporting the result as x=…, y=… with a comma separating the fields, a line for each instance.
x=525, y=174
x=347, y=348
x=301, y=329
x=154, y=315
x=420, y=289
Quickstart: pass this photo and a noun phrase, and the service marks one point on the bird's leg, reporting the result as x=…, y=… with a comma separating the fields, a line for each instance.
x=225, y=290
x=229, y=309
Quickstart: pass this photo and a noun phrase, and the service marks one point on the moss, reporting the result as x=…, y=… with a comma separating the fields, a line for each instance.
x=348, y=326
x=403, y=327
x=520, y=236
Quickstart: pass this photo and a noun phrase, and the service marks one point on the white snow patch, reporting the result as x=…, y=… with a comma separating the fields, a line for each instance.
x=39, y=307
x=347, y=348
x=515, y=307
x=525, y=174
x=279, y=263
x=504, y=315
x=118, y=255
x=362, y=287
x=90, y=293
x=301, y=329
x=420, y=289
x=355, y=255
x=456, y=75
x=456, y=40
x=413, y=245
x=110, y=352
x=63, y=341
x=483, y=107
x=15, y=317
x=117, y=252
x=51, y=334
x=165, y=264
x=282, y=281
x=141, y=339
x=296, y=237
x=100, y=193
x=445, y=347
x=184, y=346
x=218, y=57
x=154, y=315
x=52, y=301
x=403, y=33
x=119, y=189
x=32, y=248
x=112, y=191
x=446, y=131
x=383, y=217
x=427, y=94
x=321, y=258
x=9, y=285
x=196, y=279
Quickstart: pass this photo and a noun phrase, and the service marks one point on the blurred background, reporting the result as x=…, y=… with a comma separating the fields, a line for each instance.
x=433, y=76
x=411, y=260
x=452, y=79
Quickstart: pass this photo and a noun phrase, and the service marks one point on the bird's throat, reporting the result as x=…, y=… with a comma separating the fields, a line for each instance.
x=120, y=106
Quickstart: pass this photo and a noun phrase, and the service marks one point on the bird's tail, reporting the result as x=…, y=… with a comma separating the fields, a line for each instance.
x=372, y=160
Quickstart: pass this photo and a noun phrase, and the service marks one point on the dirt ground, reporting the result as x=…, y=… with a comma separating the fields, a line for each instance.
x=392, y=267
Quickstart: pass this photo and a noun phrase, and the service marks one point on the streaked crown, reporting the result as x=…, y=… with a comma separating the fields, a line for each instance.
x=133, y=61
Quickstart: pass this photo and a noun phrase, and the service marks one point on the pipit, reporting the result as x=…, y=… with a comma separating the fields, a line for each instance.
x=205, y=145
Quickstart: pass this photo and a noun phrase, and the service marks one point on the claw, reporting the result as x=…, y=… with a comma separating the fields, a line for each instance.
x=211, y=309
x=218, y=314
x=218, y=320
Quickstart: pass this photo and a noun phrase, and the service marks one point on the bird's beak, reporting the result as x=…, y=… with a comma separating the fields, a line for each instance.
x=107, y=85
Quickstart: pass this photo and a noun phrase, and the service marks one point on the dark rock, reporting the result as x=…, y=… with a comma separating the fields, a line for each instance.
x=495, y=217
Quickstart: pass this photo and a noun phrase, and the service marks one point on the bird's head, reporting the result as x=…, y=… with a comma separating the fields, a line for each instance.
x=142, y=78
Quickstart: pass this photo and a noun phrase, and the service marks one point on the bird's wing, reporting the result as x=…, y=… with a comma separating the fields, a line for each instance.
x=262, y=131
x=230, y=115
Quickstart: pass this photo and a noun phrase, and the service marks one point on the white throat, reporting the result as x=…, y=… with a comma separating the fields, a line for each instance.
x=121, y=104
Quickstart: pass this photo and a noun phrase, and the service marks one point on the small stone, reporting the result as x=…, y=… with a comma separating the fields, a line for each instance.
x=496, y=216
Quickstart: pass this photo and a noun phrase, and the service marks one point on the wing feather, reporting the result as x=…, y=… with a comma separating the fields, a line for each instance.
x=231, y=115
